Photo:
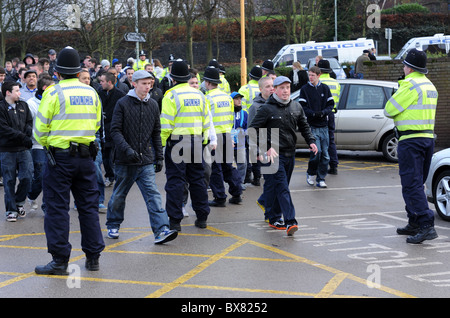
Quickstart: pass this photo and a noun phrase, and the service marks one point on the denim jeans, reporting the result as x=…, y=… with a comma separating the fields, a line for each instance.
x=318, y=163
x=277, y=195
x=144, y=176
x=39, y=160
x=16, y=165
x=98, y=172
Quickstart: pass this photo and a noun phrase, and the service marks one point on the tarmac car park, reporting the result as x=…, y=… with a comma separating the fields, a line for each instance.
x=360, y=120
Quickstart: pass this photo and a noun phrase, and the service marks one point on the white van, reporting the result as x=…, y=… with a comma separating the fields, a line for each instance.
x=343, y=51
x=438, y=43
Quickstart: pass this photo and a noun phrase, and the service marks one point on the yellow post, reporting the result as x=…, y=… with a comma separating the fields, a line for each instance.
x=243, y=58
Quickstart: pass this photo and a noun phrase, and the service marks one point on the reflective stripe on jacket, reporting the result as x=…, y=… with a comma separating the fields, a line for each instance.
x=413, y=106
x=222, y=110
x=184, y=112
x=69, y=111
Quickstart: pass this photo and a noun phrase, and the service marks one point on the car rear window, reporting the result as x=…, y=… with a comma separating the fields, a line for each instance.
x=365, y=97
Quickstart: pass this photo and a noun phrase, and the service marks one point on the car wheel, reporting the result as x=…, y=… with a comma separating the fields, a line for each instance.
x=389, y=147
x=441, y=194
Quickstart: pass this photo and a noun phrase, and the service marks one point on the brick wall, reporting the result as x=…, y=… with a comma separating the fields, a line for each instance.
x=438, y=73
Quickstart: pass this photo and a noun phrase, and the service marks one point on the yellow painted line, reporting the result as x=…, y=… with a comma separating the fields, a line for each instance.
x=199, y=268
x=332, y=285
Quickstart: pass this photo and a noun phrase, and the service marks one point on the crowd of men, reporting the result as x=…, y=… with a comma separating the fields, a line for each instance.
x=137, y=119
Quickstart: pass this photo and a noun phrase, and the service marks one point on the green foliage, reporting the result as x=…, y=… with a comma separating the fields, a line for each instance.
x=406, y=8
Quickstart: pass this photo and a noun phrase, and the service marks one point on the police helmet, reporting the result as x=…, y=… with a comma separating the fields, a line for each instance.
x=256, y=72
x=417, y=60
x=324, y=66
x=267, y=65
x=214, y=63
x=180, y=71
x=142, y=53
x=68, y=61
x=211, y=74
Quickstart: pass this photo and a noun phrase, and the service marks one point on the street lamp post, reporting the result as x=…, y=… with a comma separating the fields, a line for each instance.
x=243, y=58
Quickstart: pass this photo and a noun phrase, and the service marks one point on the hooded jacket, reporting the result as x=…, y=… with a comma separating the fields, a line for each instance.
x=136, y=124
x=287, y=118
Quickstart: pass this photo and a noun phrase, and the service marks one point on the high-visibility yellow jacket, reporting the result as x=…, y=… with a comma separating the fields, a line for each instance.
x=184, y=111
x=225, y=86
x=334, y=86
x=222, y=110
x=249, y=92
x=140, y=65
x=69, y=111
x=413, y=106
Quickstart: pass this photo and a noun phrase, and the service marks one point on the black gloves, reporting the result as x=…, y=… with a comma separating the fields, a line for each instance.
x=318, y=114
x=133, y=156
x=158, y=165
x=26, y=141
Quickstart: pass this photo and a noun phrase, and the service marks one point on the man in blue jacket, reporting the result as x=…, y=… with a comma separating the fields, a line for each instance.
x=136, y=132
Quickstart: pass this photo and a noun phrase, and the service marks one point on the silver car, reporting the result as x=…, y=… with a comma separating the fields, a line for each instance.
x=334, y=64
x=360, y=120
x=437, y=185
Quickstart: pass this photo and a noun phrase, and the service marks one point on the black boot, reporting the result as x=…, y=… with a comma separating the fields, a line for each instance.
x=333, y=170
x=235, y=199
x=409, y=229
x=217, y=203
x=55, y=267
x=92, y=264
x=428, y=233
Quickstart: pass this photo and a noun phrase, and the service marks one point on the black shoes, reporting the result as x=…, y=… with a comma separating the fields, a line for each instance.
x=409, y=229
x=428, y=233
x=333, y=170
x=235, y=199
x=200, y=224
x=416, y=234
x=52, y=268
x=92, y=264
x=217, y=203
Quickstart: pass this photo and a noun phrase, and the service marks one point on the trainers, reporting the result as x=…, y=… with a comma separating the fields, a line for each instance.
x=11, y=217
x=21, y=211
x=291, y=229
x=185, y=212
x=102, y=208
x=321, y=184
x=108, y=183
x=278, y=225
x=310, y=179
x=113, y=233
x=33, y=204
x=1, y=181
x=165, y=236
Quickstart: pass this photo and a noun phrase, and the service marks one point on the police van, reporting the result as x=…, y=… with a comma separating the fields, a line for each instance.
x=438, y=43
x=343, y=51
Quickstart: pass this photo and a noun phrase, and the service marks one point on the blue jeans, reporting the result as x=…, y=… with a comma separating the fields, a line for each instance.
x=318, y=163
x=16, y=165
x=39, y=160
x=98, y=172
x=144, y=176
x=277, y=195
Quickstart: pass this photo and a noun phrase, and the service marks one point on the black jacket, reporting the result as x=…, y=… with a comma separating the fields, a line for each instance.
x=109, y=100
x=287, y=118
x=317, y=102
x=136, y=125
x=16, y=127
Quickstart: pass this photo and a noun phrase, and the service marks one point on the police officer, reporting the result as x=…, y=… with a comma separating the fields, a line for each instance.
x=140, y=64
x=222, y=110
x=251, y=89
x=413, y=108
x=184, y=127
x=335, y=89
x=68, y=118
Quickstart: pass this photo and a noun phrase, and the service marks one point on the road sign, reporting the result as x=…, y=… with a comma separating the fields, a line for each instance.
x=134, y=37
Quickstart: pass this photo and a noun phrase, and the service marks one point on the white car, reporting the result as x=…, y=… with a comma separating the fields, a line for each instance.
x=437, y=185
x=360, y=121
